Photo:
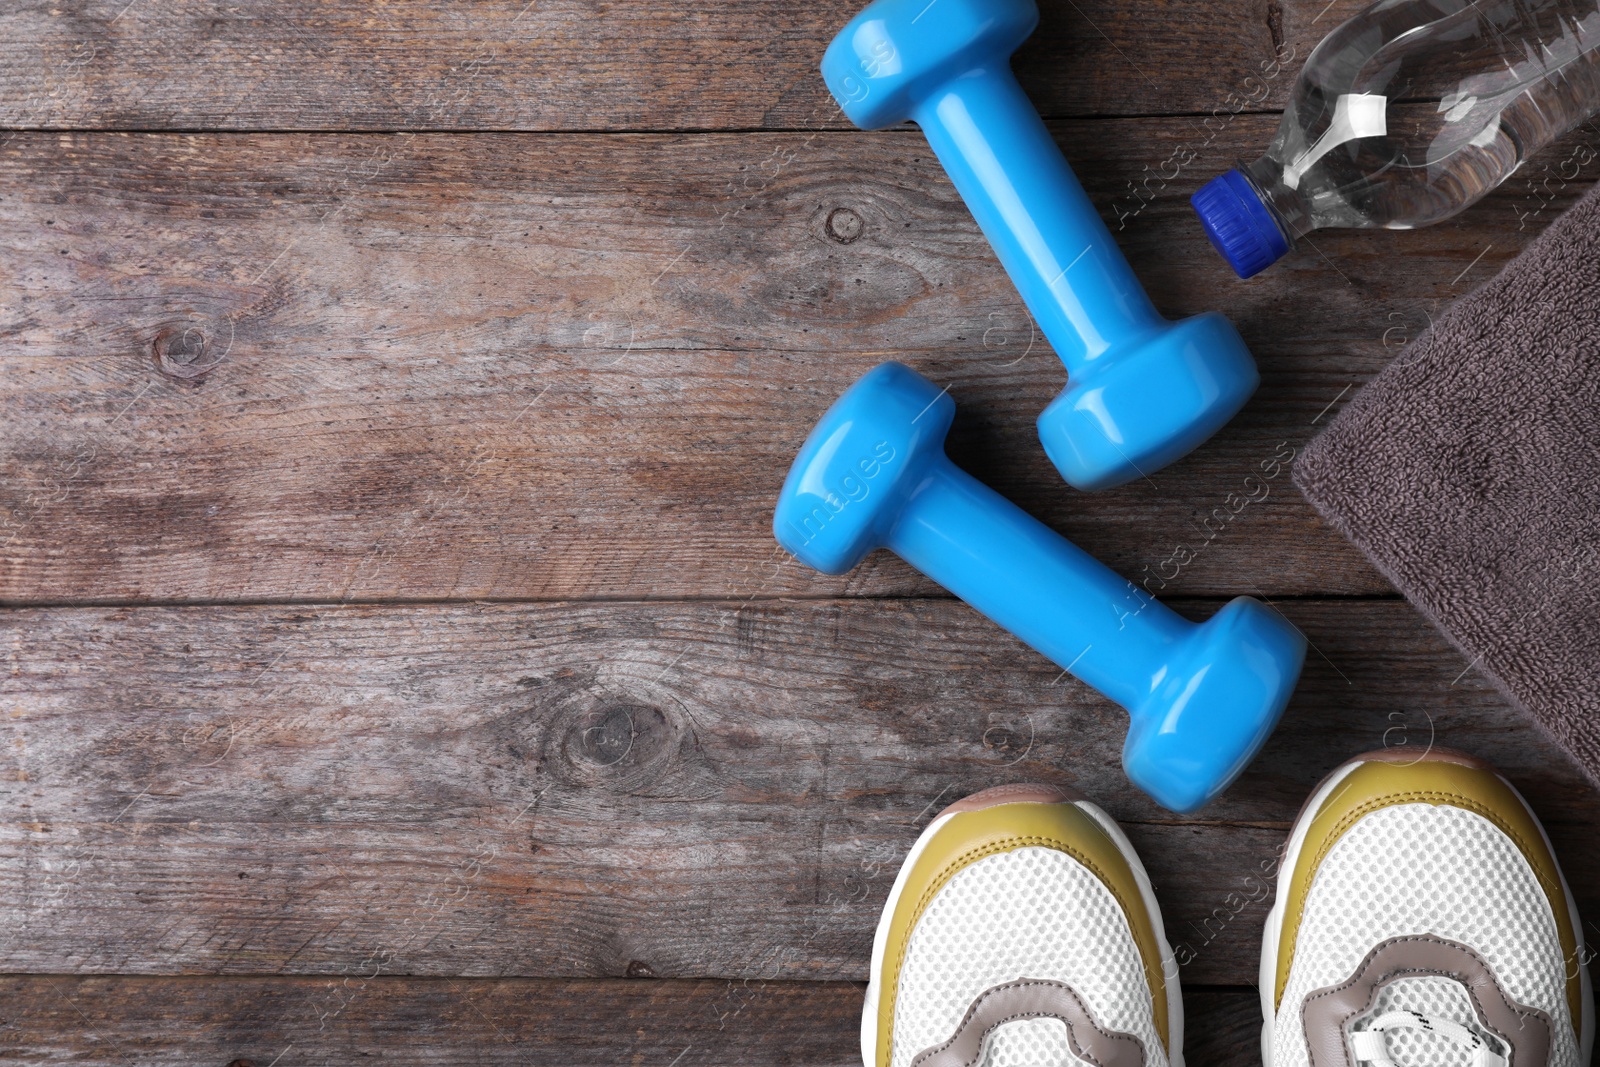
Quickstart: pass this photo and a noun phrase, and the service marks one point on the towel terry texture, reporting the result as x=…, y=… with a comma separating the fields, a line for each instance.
x=1469, y=473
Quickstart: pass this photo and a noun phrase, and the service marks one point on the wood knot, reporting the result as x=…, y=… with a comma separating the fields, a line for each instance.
x=190, y=350
x=844, y=225
x=612, y=732
x=615, y=738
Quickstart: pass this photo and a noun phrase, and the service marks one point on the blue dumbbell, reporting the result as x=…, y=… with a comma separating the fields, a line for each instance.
x=1202, y=698
x=1142, y=391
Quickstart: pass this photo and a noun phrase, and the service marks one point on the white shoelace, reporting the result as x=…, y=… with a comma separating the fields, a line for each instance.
x=1370, y=1045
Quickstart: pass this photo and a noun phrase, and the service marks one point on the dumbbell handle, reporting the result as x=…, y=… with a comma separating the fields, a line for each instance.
x=1027, y=201
x=1037, y=584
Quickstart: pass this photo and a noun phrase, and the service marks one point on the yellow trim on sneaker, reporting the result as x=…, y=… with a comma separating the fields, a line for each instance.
x=970, y=836
x=1472, y=787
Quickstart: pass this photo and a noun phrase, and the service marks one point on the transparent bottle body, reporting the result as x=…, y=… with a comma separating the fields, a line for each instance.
x=1415, y=109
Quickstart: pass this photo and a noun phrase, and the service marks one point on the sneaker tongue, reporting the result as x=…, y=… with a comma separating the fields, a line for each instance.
x=1424, y=1022
x=1030, y=1043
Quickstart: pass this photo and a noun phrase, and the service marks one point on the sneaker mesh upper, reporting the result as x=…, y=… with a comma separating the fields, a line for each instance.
x=1028, y=913
x=1434, y=869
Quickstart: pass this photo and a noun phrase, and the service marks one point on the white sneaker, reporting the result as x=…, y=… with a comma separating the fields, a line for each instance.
x=1421, y=921
x=1022, y=932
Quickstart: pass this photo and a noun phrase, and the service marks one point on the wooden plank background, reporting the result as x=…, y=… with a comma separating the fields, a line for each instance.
x=574, y=65
x=392, y=401
x=544, y=368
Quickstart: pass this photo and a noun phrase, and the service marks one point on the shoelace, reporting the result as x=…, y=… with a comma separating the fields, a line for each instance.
x=1370, y=1045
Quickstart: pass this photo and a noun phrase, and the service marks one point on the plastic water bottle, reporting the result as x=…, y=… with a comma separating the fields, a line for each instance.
x=1404, y=116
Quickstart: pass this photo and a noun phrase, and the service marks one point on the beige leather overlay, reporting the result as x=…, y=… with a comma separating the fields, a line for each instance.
x=1327, y=1013
x=1468, y=785
x=970, y=836
x=1029, y=998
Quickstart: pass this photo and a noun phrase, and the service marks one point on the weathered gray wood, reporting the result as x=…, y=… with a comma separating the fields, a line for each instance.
x=711, y=789
x=325, y=368
x=253, y=1022
x=181, y=1022
x=516, y=64
x=365, y=368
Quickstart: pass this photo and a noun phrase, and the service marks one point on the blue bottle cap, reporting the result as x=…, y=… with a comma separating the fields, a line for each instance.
x=1240, y=226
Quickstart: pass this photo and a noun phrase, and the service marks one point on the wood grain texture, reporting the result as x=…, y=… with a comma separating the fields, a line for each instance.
x=186, y=1022
x=305, y=375
x=1221, y=1026
x=178, y=1022
x=572, y=65
x=353, y=368
x=594, y=790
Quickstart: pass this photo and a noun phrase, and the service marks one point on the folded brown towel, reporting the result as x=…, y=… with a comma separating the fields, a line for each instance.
x=1469, y=473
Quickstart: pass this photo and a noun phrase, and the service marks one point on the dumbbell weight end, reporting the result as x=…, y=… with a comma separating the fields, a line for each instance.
x=1142, y=391
x=1201, y=699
